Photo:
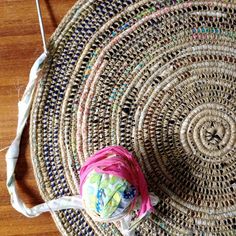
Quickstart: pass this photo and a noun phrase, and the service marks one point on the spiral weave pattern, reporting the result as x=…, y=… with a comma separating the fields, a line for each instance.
x=157, y=77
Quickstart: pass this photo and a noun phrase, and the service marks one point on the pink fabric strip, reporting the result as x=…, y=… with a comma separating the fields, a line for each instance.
x=123, y=165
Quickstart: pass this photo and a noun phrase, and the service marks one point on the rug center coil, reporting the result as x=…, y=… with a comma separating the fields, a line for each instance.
x=208, y=132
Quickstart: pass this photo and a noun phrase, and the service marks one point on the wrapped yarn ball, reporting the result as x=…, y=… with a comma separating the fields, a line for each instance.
x=106, y=195
x=110, y=182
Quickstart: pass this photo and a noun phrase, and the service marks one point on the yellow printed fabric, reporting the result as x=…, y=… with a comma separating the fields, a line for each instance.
x=107, y=195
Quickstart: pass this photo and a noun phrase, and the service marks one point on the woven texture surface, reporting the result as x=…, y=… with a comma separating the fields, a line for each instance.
x=157, y=77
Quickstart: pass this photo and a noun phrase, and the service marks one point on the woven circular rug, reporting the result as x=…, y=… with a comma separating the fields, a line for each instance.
x=158, y=78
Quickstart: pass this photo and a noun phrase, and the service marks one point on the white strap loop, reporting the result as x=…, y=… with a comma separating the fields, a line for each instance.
x=13, y=151
x=13, y=154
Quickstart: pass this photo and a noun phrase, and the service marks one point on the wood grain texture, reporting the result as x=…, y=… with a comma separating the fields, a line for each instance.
x=20, y=45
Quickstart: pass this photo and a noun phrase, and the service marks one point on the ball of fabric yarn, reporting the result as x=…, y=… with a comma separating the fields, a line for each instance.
x=111, y=180
x=107, y=195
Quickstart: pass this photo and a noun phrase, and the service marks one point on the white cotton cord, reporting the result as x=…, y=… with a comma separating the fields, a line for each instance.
x=66, y=202
x=41, y=27
x=13, y=154
x=23, y=113
x=125, y=226
x=13, y=151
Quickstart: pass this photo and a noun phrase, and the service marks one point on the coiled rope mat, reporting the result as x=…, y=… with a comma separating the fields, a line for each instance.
x=157, y=77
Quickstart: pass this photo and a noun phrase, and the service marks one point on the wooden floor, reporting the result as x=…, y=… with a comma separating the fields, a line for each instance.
x=20, y=45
